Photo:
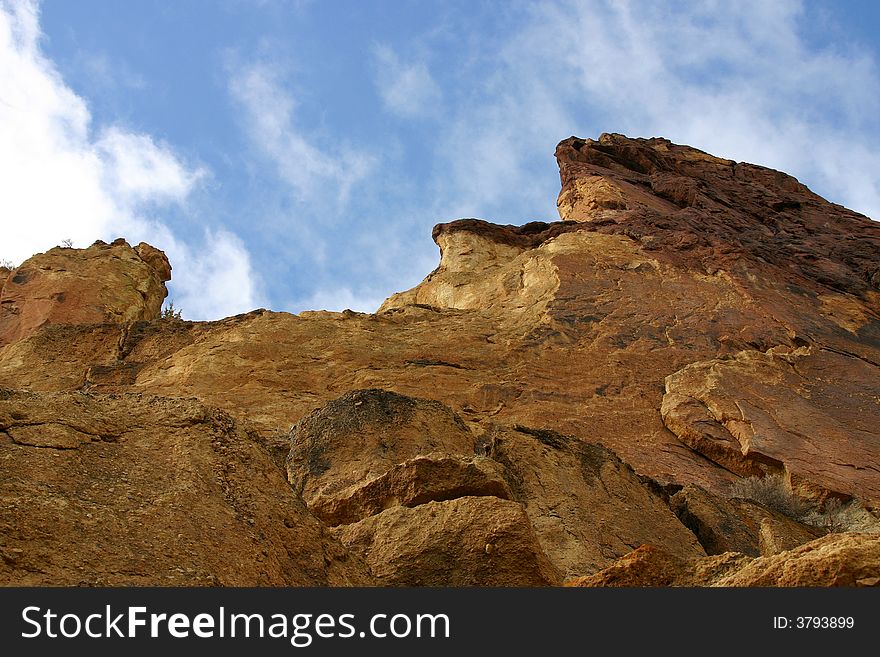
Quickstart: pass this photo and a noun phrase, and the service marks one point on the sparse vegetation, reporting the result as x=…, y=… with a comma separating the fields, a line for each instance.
x=6, y=264
x=837, y=516
x=170, y=312
x=67, y=244
x=834, y=515
x=772, y=492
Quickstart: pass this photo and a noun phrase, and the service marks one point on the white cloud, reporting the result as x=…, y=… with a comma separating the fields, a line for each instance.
x=407, y=89
x=735, y=79
x=109, y=73
x=64, y=178
x=139, y=170
x=313, y=173
x=341, y=298
x=219, y=281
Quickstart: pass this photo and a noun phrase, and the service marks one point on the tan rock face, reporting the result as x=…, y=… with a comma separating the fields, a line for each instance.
x=349, y=443
x=432, y=478
x=734, y=525
x=133, y=490
x=701, y=318
x=651, y=566
x=811, y=412
x=372, y=450
x=103, y=283
x=470, y=541
x=587, y=506
x=833, y=560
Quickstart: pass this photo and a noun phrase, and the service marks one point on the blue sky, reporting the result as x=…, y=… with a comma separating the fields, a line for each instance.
x=295, y=154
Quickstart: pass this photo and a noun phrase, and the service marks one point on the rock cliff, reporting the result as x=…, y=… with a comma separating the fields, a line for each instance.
x=589, y=400
x=101, y=284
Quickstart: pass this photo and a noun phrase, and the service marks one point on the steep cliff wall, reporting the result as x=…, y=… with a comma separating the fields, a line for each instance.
x=579, y=388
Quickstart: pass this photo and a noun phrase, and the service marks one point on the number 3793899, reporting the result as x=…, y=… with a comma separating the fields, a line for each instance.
x=814, y=622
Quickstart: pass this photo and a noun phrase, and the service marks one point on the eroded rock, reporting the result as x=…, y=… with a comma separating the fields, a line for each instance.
x=135, y=490
x=103, y=283
x=849, y=559
x=339, y=452
x=736, y=525
x=811, y=412
x=587, y=506
x=833, y=560
x=469, y=541
x=431, y=478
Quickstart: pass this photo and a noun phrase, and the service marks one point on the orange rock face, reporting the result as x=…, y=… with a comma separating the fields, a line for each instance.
x=690, y=321
x=134, y=490
x=103, y=283
x=850, y=559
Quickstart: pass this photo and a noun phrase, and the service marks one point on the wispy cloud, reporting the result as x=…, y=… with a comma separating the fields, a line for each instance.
x=140, y=170
x=339, y=201
x=739, y=80
x=341, y=298
x=313, y=170
x=65, y=178
x=736, y=79
x=220, y=279
x=406, y=87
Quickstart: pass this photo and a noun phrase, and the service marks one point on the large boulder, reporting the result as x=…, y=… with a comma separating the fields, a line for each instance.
x=810, y=412
x=738, y=525
x=833, y=560
x=339, y=451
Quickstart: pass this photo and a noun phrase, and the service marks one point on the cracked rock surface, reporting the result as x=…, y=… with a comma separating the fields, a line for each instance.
x=589, y=389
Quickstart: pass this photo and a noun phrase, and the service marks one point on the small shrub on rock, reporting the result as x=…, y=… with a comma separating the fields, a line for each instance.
x=837, y=516
x=170, y=312
x=772, y=491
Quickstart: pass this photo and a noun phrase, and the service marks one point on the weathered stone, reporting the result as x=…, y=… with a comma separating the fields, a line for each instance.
x=645, y=566
x=833, y=560
x=103, y=283
x=811, y=412
x=134, y=490
x=362, y=435
x=716, y=522
x=470, y=541
x=431, y=478
x=734, y=525
x=651, y=566
x=587, y=506
x=779, y=534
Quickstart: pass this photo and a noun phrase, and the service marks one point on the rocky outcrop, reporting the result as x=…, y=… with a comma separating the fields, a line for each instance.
x=584, y=387
x=649, y=565
x=833, y=560
x=587, y=506
x=135, y=490
x=103, y=283
x=372, y=449
x=469, y=541
x=735, y=525
x=810, y=412
x=698, y=209
x=485, y=265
